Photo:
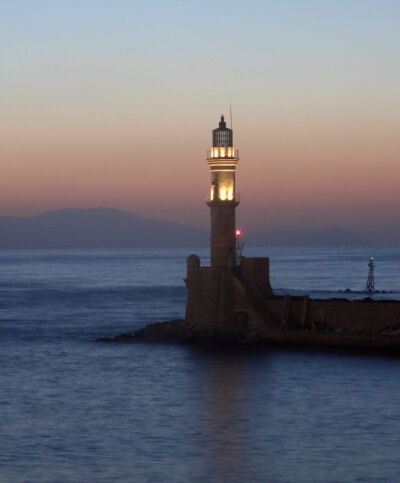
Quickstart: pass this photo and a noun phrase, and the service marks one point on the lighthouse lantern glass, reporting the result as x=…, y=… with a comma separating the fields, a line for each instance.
x=222, y=159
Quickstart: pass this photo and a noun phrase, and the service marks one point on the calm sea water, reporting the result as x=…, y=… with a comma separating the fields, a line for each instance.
x=72, y=410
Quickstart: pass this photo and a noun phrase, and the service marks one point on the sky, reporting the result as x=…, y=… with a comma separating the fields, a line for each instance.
x=112, y=103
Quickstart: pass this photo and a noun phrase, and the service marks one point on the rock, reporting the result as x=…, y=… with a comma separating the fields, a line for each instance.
x=162, y=331
x=182, y=332
x=118, y=338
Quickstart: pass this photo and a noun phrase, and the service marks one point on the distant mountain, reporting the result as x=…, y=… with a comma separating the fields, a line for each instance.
x=330, y=236
x=110, y=228
x=383, y=234
x=95, y=228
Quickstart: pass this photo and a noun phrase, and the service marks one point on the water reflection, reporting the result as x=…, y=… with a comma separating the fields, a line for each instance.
x=226, y=417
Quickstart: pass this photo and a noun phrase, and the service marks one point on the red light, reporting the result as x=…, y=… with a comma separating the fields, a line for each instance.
x=238, y=232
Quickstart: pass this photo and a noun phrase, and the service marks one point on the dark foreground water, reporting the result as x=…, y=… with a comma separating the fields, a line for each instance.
x=72, y=410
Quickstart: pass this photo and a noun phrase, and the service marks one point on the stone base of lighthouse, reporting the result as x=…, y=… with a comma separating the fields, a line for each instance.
x=227, y=296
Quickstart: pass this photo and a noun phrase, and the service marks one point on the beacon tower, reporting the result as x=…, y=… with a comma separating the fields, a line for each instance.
x=224, y=294
x=222, y=159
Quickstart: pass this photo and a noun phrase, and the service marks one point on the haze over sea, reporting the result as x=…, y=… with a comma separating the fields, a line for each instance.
x=76, y=410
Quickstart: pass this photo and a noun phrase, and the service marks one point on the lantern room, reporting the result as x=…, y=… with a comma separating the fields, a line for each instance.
x=222, y=159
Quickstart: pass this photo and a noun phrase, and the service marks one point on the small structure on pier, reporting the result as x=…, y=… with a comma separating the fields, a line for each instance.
x=370, y=287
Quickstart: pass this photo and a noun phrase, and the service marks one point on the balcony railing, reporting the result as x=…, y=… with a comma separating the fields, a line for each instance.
x=223, y=153
x=236, y=198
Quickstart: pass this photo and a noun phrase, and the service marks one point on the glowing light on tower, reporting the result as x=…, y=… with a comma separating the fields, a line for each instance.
x=222, y=159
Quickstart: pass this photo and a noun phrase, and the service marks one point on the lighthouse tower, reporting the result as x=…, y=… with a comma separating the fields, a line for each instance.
x=222, y=159
x=223, y=294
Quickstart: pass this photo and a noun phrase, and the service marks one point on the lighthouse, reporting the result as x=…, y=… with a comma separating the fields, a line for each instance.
x=222, y=160
x=223, y=293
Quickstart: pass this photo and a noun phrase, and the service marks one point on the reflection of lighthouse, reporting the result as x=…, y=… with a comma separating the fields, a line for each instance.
x=227, y=426
x=222, y=159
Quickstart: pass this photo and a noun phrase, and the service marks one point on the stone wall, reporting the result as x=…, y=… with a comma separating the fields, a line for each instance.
x=222, y=295
x=210, y=294
x=254, y=272
x=241, y=297
x=337, y=315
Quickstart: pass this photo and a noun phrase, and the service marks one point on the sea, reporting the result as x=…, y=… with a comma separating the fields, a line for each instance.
x=76, y=410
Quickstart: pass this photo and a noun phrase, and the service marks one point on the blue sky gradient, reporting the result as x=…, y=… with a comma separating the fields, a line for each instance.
x=98, y=96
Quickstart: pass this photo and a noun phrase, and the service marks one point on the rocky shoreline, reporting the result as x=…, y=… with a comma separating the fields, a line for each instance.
x=180, y=331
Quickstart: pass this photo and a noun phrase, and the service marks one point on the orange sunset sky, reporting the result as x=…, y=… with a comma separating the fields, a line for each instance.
x=112, y=104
